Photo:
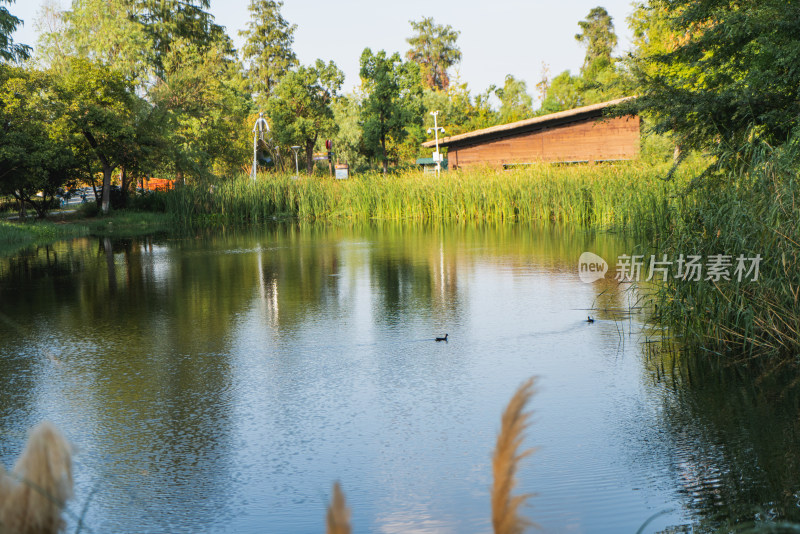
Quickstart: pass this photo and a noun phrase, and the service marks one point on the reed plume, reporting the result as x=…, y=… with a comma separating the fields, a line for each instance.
x=338, y=518
x=34, y=493
x=505, y=507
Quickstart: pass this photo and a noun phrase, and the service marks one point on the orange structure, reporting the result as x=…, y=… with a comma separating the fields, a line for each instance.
x=158, y=184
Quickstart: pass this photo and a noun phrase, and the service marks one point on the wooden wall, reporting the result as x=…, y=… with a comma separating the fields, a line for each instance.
x=587, y=140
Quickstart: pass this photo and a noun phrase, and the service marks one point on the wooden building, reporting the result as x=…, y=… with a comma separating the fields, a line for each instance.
x=580, y=135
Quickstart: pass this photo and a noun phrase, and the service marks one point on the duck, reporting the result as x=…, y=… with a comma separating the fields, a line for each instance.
x=442, y=338
x=589, y=319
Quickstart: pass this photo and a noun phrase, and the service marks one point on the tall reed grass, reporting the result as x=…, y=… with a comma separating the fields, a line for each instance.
x=625, y=196
x=749, y=209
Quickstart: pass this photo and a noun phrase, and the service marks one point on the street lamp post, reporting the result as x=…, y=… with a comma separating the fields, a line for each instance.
x=437, y=157
x=259, y=128
x=296, y=167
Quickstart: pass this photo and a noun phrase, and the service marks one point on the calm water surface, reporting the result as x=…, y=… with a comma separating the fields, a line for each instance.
x=223, y=382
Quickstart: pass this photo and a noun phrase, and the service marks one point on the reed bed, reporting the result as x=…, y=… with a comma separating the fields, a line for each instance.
x=629, y=195
x=754, y=210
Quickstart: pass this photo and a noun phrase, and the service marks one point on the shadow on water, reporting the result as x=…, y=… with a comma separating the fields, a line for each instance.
x=734, y=435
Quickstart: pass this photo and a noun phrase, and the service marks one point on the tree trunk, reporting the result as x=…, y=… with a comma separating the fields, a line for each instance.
x=107, y=170
x=23, y=211
x=310, y=158
x=385, y=160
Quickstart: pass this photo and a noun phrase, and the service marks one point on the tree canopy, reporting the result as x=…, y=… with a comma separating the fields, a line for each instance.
x=434, y=48
x=267, y=50
x=393, y=103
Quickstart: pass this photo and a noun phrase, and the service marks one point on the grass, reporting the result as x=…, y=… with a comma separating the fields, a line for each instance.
x=625, y=196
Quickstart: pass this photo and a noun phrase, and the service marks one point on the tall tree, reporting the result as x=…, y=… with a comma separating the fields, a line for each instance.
x=301, y=110
x=9, y=50
x=268, y=46
x=728, y=76
x=434, y=48
x=103, y=108
x=597, y=35
x=393, y=103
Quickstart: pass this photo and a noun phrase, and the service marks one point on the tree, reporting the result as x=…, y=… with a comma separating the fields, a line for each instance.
x=166, y=22
x=10, y=51
x=301, y=110
x=727, y=76
x=515, y=102
x=434, y=48
x=599, y=39
x=393, y=102
x=35, y=151
x=203, y=95
x=563, y=93
x=103, y=108
x=268, y=46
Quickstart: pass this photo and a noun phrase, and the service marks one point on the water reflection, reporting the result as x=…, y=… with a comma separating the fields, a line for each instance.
x=228, y=378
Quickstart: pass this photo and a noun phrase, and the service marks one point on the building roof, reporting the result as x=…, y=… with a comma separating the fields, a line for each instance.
x=528, y=124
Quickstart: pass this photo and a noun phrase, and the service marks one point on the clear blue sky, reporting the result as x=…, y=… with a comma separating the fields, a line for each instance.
x=498, y=37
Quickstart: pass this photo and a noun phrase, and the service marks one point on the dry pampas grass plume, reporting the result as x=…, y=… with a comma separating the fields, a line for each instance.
x=505, y=507
x=32, y=496
x=338, y=518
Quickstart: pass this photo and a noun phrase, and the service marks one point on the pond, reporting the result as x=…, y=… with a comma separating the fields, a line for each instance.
x=222, y=382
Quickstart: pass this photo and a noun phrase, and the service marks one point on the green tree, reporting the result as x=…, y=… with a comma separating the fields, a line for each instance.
x=728, y=77
x=103, y=108
x=9, y=50
x=434, y=48
x=563, y=93
x=204, y=98
x=301, y=110
x=348, y=144
x=515, y=102
x=268, y=46
x=35, y=151
x=393, y=105
x=597, y=35
x=166, y=22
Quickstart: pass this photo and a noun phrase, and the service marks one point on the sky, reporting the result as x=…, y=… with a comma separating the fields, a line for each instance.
x=497, y=37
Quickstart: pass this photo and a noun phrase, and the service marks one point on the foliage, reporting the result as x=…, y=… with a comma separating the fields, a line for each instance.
x=167, y=22
x=35, y=154
x=434, y=48
x=599, y=39
x=348, y=141
x=202, y=95
x=268, y=46
x=515, y=102
x=393, y=105
x=602, y=76
x=9, y=50
x=301, y=110
x=105, y=32
x=103, y=108
x=719, y=74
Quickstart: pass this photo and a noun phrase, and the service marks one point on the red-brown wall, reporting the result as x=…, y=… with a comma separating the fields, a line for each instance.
x=588, y=140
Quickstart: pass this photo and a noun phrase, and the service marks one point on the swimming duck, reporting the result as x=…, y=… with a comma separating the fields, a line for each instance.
x=442, y=338
x=589, y=319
